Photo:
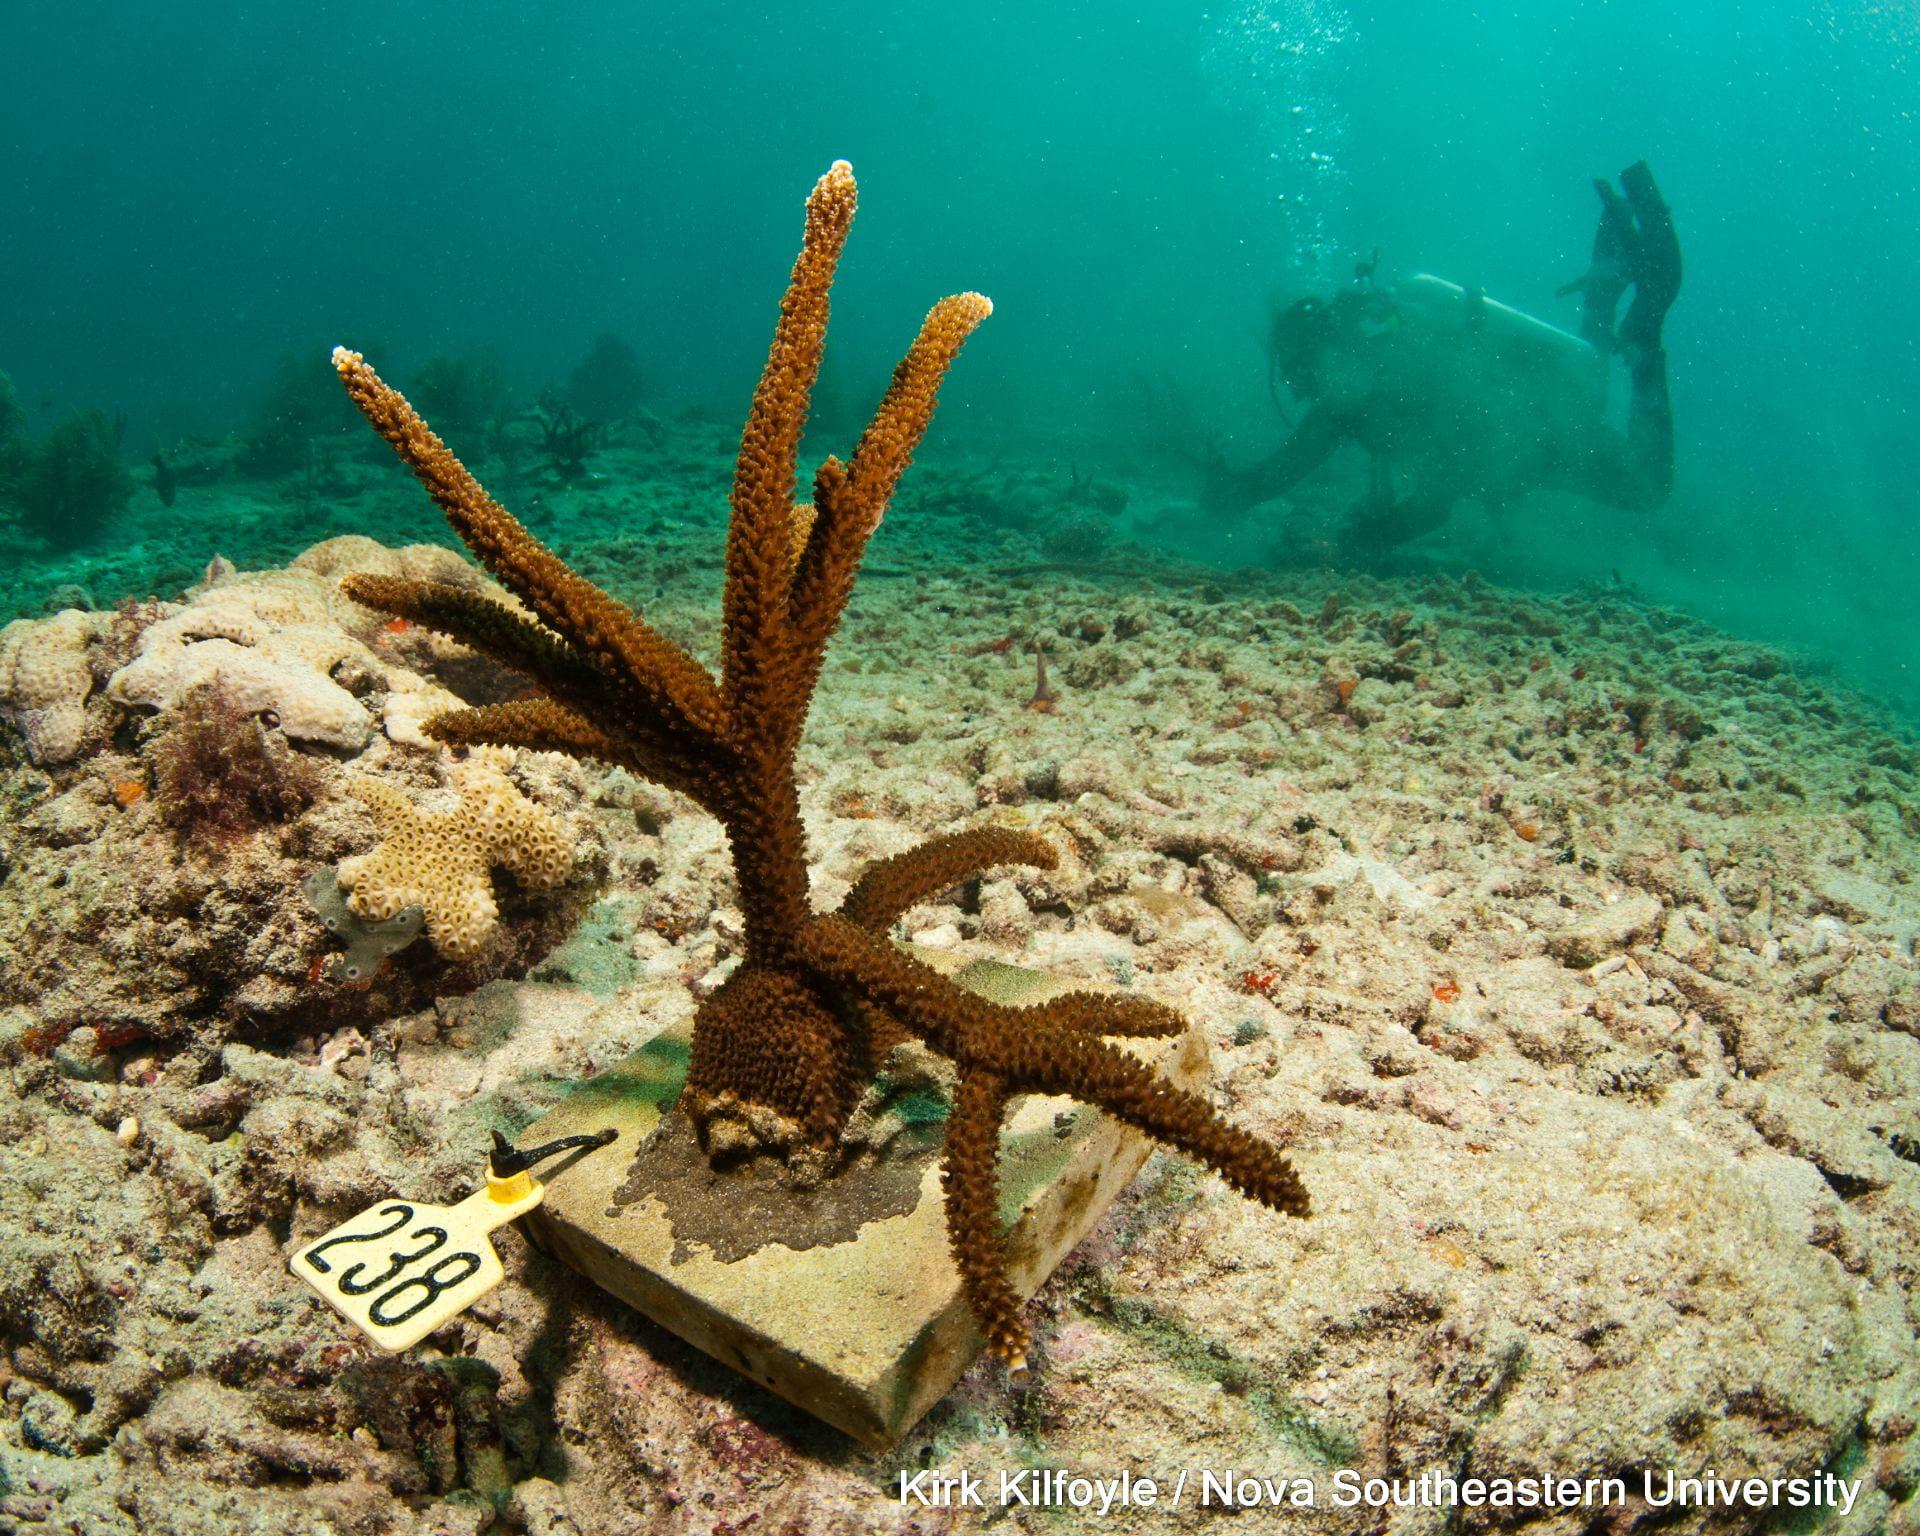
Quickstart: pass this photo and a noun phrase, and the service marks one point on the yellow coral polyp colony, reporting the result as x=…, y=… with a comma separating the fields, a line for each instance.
x=442, y=861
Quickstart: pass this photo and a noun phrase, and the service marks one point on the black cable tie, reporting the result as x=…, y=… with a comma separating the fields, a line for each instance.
x=506, y=1160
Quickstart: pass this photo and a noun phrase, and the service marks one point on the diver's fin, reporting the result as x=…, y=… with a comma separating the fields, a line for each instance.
x=1608, y=272
x=1654, y=265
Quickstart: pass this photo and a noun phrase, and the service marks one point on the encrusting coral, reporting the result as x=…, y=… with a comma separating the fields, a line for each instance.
x=286, y=647
x=442, y=861
x=45, y=679
x=818, y=998
x=267, y=644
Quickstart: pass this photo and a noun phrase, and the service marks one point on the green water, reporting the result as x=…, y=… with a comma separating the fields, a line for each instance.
x=199, y=196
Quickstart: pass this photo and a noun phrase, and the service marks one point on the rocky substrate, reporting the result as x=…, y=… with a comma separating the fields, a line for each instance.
x=177, y=769
x=1568, y=943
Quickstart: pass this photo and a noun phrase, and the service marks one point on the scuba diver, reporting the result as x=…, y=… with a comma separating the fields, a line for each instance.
x=1455, y=396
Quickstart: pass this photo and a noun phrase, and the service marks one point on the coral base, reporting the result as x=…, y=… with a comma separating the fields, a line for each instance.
x=857, y=1315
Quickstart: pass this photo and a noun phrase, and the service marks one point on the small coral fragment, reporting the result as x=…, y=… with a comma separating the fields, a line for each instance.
x=1044, y=701
x=442, y=860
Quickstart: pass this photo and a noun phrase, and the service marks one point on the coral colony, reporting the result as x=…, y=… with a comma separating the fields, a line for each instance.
x=442, y=861
x=792, y=1037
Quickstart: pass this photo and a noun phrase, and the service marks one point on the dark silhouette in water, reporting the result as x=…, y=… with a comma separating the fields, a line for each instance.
x=607, y=384
x=1473, y=399
x=293, y=413
x=66, y=487
x=468, y=392
x=567, y=440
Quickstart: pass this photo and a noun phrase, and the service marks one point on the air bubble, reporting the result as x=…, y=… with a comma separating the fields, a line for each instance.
x=1280, y=63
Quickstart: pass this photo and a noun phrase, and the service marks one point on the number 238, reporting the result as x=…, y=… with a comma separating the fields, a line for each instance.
x=404, y=1297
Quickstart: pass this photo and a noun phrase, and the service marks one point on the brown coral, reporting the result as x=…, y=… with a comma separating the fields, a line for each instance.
x=817, y=1000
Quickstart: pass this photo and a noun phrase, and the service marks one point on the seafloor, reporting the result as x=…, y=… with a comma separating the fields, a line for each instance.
x=1569, y=943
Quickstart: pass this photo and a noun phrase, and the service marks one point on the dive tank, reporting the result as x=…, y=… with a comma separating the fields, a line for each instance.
x=1547, y=356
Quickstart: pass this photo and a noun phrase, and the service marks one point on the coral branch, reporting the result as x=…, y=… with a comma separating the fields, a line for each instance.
x=849, y=501
x=971, y=1183
x=539, y=725
x=478, y=622
x=890, y=887
x=604, y=629
x=641, y=739
x=759, y=548
x=1034, y=1057
x=1101, y=1013
x=886, y=447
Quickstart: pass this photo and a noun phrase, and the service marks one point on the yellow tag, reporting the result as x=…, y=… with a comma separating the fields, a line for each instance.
x=400, y=1269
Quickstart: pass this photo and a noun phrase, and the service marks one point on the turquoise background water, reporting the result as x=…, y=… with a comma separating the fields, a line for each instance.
x=192, y=191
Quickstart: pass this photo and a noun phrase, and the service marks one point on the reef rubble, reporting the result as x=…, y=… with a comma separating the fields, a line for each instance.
x=1567, y=942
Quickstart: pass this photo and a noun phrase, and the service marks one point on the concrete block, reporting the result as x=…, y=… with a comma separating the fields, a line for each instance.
x=842, y=1299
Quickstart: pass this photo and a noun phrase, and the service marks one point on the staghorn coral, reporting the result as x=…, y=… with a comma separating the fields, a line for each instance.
x=818, y=999
x=441, y=861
